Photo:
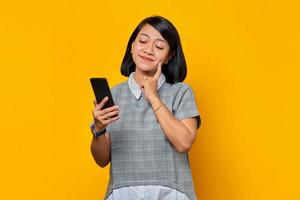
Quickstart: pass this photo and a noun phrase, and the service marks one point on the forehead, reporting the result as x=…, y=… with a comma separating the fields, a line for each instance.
x=149, y=31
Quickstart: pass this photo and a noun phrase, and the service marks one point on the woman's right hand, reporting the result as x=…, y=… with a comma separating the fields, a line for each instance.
x=103, y=117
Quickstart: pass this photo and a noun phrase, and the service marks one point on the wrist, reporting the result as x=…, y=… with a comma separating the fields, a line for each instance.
x=98, y=127
x=97, y=133
x=155, y=103
x=154, y=100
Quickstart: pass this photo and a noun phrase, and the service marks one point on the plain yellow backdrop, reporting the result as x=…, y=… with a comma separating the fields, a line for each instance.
x=243, y=65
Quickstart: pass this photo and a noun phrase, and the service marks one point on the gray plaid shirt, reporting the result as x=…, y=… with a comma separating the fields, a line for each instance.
x=140, y=152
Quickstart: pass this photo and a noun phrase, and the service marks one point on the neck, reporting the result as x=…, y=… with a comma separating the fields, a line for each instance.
x=139, y=75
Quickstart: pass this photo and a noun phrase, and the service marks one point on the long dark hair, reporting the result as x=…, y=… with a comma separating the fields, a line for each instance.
x=175, y=70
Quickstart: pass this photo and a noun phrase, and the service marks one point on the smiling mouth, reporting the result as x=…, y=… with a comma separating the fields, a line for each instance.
x=146, y=59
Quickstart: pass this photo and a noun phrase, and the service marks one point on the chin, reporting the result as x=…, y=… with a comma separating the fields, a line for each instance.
x=146, y=67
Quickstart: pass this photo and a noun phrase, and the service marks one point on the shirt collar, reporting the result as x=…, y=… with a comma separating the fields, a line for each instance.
x=135, y=88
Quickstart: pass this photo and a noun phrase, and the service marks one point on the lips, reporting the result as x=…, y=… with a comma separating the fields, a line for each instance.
x=146, y=59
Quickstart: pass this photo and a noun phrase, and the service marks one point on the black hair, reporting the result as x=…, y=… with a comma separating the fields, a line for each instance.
x=175, y=70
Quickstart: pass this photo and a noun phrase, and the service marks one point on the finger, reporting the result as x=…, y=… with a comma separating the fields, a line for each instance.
x=158, y=71
x=102, y=103
x=114, y=119
x=110, y=109
x=95, y=103
x=110, y=114
x=108, y=121
x=97, y=113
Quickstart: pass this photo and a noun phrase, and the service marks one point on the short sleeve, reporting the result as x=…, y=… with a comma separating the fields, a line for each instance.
x=185, y=105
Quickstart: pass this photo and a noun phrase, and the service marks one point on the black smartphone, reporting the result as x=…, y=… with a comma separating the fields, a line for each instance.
x=101, y=89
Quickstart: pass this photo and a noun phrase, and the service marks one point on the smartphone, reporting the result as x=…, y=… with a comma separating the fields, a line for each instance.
x=101, y=89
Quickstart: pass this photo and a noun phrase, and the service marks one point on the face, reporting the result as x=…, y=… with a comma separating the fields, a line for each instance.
x=149, y=48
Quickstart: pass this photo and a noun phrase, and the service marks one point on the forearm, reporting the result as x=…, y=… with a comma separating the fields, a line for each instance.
x=176, y=132
x=100, y=150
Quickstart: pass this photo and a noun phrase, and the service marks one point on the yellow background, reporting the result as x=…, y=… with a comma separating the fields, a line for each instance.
x=243, y=65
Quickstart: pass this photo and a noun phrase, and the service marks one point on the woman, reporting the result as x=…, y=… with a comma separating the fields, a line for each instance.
x=147, y=135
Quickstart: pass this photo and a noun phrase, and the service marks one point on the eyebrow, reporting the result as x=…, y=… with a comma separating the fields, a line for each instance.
x=155, y=39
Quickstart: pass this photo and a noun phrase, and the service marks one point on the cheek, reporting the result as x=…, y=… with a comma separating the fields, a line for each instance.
x=162, y=56
x=134, y=56
x=134, y=53
x=137, y=48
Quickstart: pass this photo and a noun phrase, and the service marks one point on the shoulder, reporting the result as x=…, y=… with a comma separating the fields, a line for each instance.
x=180, y=88
x=176, y=91
x=119, y=87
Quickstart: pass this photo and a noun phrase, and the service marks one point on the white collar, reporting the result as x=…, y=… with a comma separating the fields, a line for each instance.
x=135, y=88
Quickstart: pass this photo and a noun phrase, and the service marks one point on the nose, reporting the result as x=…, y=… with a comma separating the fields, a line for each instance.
x=148, y=49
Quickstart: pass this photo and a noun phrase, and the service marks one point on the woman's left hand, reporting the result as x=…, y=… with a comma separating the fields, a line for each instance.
x=149, y=84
